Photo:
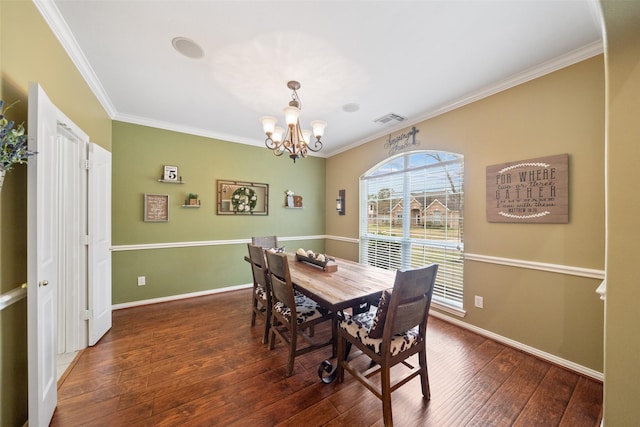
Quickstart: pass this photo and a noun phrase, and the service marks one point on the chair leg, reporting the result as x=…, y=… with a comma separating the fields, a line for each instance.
x=267, y=325
x=292, y=352
x=424, y=374
x=254, y=307
x=385, y=382
x=272, y=335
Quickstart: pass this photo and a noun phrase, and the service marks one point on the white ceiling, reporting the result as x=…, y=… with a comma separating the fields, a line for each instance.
x=412, y=58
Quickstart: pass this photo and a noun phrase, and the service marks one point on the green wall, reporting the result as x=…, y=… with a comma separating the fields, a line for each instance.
x=139, y=154
x=562, y=112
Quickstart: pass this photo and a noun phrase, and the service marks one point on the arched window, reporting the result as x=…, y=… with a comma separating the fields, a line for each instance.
x=431, y=181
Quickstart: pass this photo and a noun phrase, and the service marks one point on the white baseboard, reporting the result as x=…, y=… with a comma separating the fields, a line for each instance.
x=178, y=297
x=588, y=372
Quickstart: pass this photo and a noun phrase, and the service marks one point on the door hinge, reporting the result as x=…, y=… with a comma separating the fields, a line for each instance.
x=86, y=164
x=87, y=314
x=86, y=240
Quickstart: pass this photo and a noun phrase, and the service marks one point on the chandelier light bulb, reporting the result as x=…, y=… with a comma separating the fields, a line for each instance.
x=318, y=128
x=268, y=124
x=277, y=134
x=306, y=135
x=291, y=115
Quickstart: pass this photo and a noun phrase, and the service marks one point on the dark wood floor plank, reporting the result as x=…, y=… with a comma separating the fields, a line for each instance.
x=364, y=410
x=549, y=402
x=316, y=415
x=585, y=406
x=77, y=412
x=198, y=362
x=504, y=406
x=474, y=393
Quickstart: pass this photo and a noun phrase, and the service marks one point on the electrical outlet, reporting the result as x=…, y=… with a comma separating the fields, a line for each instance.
x=142, y=280
x=479, y=301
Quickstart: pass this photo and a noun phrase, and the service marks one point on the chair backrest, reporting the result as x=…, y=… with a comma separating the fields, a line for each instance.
x=280, y=277
x=265, y=241
x=410, y=300
x=259, y=266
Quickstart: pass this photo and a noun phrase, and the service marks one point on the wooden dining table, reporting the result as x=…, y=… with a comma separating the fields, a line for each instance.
x=351, y=286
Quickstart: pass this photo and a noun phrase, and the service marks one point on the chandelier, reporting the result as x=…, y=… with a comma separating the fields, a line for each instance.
x=294, y=140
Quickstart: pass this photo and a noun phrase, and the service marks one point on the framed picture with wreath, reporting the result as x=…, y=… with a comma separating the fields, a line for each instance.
x=242, y=198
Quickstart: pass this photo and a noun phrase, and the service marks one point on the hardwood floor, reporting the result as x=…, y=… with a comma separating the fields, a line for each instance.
x=197, y=362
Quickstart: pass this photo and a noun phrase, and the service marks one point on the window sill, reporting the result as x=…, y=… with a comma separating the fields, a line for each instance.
x=448, y=309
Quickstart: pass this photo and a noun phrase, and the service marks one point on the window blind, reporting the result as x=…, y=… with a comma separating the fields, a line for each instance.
x=411, y=216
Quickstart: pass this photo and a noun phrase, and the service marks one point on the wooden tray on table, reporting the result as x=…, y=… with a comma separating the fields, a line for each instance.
x=329, y=265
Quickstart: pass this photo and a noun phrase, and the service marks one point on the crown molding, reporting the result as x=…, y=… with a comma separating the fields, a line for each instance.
x=53, y=18
x=555, y=64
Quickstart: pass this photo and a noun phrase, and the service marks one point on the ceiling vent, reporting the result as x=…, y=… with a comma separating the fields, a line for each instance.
x=390, y=118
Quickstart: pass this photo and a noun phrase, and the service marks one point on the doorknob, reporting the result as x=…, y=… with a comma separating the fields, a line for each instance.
x=43, y=283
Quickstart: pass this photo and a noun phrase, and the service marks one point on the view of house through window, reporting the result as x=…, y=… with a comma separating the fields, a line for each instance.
x=411, y=216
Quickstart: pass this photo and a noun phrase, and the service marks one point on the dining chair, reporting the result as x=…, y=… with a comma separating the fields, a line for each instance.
x=261, y=295
x=390, y=334
x=265, y=241
x=292, y=314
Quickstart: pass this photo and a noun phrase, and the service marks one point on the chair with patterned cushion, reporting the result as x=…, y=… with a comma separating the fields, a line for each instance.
x=261, y=295
x=389, y=335
x=292, y=313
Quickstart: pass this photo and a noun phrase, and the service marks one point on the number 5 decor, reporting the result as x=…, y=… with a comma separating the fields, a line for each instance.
x=170, y=174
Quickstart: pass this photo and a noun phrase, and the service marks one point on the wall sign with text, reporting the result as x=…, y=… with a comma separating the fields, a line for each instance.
x=529, y=191
x=405, y=140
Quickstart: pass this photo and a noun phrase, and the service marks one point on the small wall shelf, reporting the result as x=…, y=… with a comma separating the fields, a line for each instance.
x=170, y=182
x=293, y=207
x=190, y=206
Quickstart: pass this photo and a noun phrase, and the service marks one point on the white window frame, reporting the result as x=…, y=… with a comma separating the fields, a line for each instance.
x=411, y=251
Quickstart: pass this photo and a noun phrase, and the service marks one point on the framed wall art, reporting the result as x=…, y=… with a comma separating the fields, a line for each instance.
x=242, y=198
x=156, y=207
x=529, y=191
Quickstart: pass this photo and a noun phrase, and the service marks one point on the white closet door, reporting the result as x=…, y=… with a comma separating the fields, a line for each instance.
x=72, y=200
x=42, y=257
x=99, y=291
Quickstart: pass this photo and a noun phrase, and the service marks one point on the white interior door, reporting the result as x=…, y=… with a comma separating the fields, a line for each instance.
x=42, y=257
x=72, y=201
x=99, y=242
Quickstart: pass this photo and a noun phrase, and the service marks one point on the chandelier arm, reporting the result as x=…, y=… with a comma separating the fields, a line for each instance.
x=317, y=146
x=288, y=148
x=271, y=144
x=292, y=142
